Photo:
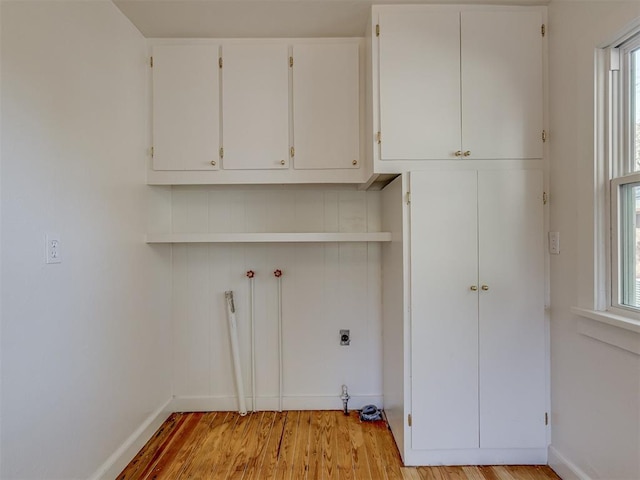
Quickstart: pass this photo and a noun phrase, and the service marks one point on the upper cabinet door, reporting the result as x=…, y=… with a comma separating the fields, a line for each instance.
x=326, y=106
x=255, y=106
x=419, y=66
x=186, y=108
x=502, y=84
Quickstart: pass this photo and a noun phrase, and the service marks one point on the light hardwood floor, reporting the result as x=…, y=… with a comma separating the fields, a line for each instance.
x=291, y=445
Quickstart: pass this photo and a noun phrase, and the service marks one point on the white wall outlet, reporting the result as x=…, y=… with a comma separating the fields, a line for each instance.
x=554, y=243
x=52, y=248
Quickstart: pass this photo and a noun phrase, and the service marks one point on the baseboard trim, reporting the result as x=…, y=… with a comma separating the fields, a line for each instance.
x=112, y=467
x=565, y=468
x=476, y=456
x=298, y=402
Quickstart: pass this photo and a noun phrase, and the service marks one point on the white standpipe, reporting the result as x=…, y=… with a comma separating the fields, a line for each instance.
x=251, y=274
x=235, y=351
x=278, y=275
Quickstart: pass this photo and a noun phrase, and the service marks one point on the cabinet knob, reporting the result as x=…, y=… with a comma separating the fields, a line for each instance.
x=458, y=153
x=467, y=153
x=355, y=162
x=485, y=287
x=213, y=162
x=282, y=162
x=473, y=288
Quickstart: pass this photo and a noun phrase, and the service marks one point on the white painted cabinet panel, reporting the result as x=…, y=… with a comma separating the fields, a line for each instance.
x=502, y=84
x=444, y=310
x=255, y=106
x=419, y=75
x=472, y=327
x=326, y=106
x=457, y=83
x=186, y=108
x=512, y=331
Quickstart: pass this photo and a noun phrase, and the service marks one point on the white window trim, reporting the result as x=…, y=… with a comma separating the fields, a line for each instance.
x=608, y=174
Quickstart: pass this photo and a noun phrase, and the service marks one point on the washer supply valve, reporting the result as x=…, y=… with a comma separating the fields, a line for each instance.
x=345, y=399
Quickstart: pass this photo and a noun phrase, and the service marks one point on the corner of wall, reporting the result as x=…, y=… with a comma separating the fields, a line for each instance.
x=566, y=469
x=117, y=462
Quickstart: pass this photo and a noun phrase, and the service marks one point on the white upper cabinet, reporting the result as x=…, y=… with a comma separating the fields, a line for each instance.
x=243, y=111
x=502, y=84
x=457, y=83
x=186, y=118
x=419, y=75
x=326, y=106
x=255, y=106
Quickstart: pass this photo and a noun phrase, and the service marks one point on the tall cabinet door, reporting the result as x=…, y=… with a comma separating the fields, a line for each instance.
x=326, y=105
x=502, y=84
x=186, y=108
x=512, y=332
x=444, y=310
x=419, y=83
x=255, y=106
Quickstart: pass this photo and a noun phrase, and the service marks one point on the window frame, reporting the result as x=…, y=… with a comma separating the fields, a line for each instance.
x=621, y=164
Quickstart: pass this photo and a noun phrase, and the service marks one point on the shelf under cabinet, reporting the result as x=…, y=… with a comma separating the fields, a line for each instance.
x=267, y=237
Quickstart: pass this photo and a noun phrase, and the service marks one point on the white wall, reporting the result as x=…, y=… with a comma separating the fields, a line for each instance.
x=595, y=386
x=85, y=343
x=325, y=287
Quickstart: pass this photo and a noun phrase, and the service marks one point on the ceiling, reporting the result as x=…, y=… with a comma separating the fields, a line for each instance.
x=261, y=18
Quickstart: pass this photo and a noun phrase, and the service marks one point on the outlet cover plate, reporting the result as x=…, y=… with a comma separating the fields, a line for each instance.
x=52, y=248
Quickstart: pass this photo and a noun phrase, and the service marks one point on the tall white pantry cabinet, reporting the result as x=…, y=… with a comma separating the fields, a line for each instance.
x=458, y=104
x=463, y=316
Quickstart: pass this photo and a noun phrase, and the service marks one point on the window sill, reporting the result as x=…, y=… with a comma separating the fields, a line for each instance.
x=616, y=330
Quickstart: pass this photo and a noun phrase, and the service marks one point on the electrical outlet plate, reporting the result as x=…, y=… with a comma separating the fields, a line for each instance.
x=52, y=248
x=345, y=337
x=554, y=243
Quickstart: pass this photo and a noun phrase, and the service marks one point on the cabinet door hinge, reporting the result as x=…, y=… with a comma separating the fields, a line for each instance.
x=151, y=62
x=544, y=135
x=379, y=137
x=221, y=152
x=291, y=62
x=219, y=62
x=378, y=30
x=409, y=419
x=151, y=152
x=543, y=29
x=546, y=418
x=292, y=151
x=408, y=198
x=545, y=198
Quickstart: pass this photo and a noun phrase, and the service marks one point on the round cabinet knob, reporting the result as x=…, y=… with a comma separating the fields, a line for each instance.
x=473, y=288
x=458, y=153
x=355, y=162
x=467, y=153
x=213, y=162
x=485, y=287
x=282, y=162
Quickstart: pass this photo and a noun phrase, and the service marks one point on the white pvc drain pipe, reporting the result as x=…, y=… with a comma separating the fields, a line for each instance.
x=235, y=351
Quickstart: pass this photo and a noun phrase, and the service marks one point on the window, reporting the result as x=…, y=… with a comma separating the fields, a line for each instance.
x=624, y=149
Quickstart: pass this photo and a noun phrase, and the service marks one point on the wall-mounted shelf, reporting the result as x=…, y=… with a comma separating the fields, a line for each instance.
x=267, y=237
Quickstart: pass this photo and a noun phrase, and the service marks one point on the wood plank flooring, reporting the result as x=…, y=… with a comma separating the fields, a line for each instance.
x=294, y=445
